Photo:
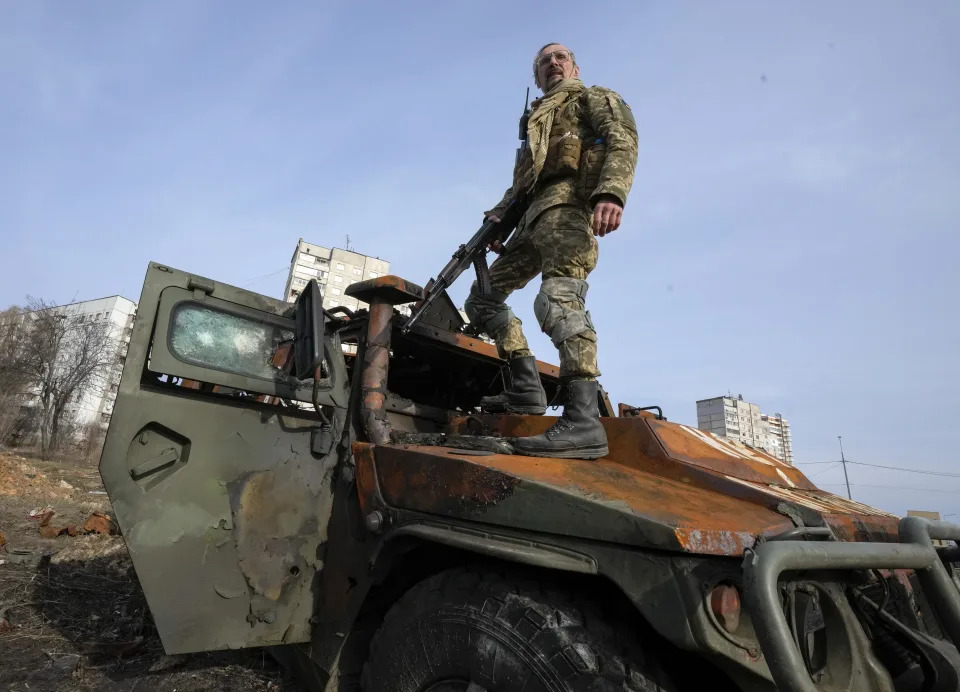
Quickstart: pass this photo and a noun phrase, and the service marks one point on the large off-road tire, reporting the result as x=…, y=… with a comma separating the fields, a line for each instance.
x=483, y=631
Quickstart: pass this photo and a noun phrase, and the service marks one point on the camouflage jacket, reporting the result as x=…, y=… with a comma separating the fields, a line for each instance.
x=592, y=152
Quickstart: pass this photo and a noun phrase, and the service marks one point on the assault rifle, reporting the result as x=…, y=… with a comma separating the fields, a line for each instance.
x=474, y=252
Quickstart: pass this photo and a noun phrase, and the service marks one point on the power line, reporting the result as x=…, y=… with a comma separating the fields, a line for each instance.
x=821, y=471
x=944, y=474
x=900, y=468
x=897, y=487
x=247, y=282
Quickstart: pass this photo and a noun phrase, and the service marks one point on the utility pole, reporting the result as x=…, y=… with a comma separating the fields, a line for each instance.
x=844, y=462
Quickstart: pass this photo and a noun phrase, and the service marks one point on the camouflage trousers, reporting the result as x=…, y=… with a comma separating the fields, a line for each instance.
x=559, y=245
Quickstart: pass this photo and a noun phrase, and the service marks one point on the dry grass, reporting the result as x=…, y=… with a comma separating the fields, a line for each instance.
x=72, y=614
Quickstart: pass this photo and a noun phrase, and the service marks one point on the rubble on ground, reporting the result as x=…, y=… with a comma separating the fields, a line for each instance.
x=72, y=614
x=97, y=522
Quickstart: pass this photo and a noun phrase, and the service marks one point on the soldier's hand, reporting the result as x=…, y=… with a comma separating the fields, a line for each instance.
x=606, y=217
x=496, y=246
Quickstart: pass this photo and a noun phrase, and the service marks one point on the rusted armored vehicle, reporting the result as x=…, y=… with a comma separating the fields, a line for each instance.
x=319, y=482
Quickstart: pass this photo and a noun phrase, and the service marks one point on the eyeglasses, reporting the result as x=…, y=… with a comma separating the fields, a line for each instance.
x=562, y=56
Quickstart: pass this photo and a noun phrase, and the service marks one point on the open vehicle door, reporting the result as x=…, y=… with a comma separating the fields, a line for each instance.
x=219, y=466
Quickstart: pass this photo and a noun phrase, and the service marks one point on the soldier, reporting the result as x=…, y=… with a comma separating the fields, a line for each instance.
x=577, y=170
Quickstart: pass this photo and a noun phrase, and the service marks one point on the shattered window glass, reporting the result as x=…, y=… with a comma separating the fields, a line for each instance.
x=214, y=339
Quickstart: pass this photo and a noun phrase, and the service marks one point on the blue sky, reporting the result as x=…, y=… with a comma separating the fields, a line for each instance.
x=791, y=234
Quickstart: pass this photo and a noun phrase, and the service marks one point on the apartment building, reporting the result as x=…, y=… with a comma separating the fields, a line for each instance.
x=737, y=419
x=334, y=269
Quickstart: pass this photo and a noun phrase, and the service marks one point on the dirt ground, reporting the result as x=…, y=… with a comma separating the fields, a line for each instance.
x=72, y=614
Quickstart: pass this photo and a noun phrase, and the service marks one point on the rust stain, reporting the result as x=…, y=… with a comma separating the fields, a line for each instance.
x=366, y=475
x=505, y=425
x=639, y=442
x=275, y=519
x=859, y=529
x=283, y=355
x=98, y=522
x=715, y=542
x=468, y=343
x=606, y=408
x=389, y=289
x=703, y=449
x=819, y=500
x=715, y=496
x=376, y=366
x=437, y=482
x=737, y=482
x=850, y=521
x=261, y=525
x=436, y=479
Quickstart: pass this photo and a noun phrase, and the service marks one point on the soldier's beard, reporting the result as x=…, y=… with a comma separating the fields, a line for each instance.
x=552, y=86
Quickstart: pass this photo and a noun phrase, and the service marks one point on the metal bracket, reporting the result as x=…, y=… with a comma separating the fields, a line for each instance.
x=200, y=286
x=166, y=458
x=500, y=546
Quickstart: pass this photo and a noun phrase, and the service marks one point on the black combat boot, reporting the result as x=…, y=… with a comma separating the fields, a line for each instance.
x=525, y=393
x=577, y=434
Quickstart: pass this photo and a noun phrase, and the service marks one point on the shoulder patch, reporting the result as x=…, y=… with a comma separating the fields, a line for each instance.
x=621, y=109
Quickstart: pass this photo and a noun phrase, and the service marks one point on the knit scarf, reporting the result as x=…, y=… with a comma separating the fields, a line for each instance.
x=542, y=114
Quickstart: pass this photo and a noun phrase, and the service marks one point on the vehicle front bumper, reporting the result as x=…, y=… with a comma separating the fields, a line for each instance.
x=764, y=565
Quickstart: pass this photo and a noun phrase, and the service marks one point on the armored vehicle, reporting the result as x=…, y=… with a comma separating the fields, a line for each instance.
x=320, y=482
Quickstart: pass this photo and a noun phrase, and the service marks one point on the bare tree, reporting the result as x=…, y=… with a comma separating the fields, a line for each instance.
x=65, y=356
x=14, y=384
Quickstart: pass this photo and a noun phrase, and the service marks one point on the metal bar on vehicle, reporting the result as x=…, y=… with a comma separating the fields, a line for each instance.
x=376, y=363
x=397, y=404
x=498, y=545
x=804, y=532
x=940, y=588
x=653, y=408
x=762, y=568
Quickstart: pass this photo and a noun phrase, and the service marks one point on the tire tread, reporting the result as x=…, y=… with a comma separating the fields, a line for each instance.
x=603, y=653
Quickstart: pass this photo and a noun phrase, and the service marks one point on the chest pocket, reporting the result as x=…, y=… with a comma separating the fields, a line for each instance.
x=564, y=146
x=593, y=154
x=591, y=165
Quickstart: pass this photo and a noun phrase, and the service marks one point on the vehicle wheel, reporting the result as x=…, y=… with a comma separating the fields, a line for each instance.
x=481, y=631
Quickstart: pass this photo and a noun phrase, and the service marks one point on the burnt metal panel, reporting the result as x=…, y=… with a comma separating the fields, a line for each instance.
x=390, y=289
x=366, y=476
x=601, y=500
x=670, y=451
x=699, y=448
x=472, y=345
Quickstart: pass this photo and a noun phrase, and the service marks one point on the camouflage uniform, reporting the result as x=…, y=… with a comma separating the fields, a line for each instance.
x=591, y=152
